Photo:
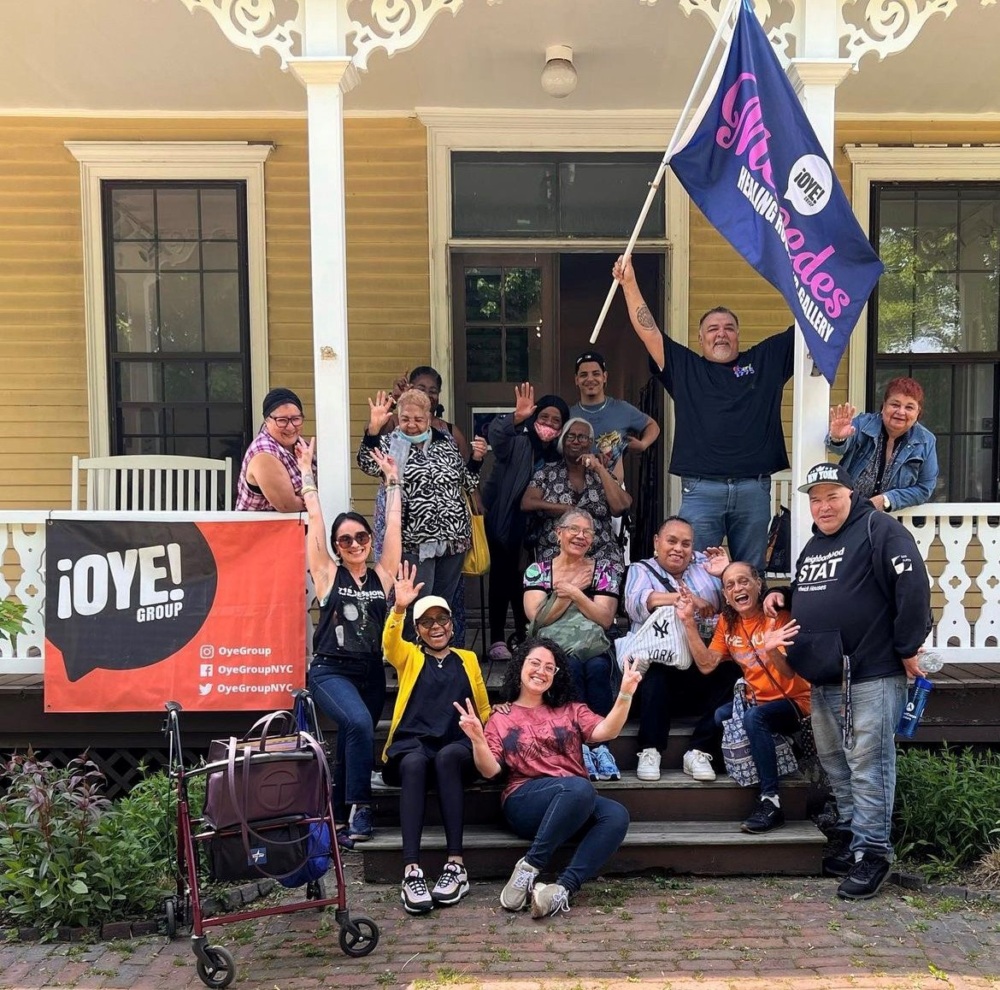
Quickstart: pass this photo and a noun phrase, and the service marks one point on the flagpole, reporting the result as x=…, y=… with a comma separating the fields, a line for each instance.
x=668, y=154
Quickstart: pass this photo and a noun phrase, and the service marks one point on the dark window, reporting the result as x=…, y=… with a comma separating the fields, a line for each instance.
x=541, y=195
x=936, y=318
x=178, y=323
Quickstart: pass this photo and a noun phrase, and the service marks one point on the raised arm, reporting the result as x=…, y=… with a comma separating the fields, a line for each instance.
x=392, y=546
x=642, y=320
x=322, y=566
x=618, y=499
x=615, y=720
x=468, y=721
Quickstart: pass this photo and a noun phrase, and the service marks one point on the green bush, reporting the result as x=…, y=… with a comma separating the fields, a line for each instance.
x=70, y=857
x=947, y=807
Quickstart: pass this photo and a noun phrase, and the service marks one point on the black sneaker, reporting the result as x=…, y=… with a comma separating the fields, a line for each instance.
x=839, y=860
x=865, y=879
x=766, y=816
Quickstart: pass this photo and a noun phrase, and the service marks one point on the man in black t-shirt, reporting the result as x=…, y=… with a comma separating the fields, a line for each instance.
x=728, y=438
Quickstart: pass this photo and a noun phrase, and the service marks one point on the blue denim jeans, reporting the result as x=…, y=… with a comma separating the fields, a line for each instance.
x=739, y=509
x=355, y=703
x=863, y=779
x=761, y=721
x=592, y=681
x=552, y=810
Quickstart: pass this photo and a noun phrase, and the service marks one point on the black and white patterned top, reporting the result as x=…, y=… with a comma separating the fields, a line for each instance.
x=433, y=482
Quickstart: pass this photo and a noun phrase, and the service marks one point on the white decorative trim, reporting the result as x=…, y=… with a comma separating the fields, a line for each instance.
x=198, y=160
x=890, y=27
x=452, y=129
x=254, y=25
x=393, y=26
x=870, y=163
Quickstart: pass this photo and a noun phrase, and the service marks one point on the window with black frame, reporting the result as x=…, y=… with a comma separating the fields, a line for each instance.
x=936, y=317
x=177, y=317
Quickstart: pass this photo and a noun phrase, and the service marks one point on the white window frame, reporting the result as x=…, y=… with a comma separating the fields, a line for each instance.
x=168, y=161
x=914, y=164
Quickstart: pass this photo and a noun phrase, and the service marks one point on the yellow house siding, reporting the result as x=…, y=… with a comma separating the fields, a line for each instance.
x=42, y=345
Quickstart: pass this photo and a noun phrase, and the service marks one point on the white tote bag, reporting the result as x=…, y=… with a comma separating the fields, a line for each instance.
x=660, y=639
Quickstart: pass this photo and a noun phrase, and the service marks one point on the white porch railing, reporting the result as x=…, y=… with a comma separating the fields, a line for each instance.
x=22, y=577
x=960, y=542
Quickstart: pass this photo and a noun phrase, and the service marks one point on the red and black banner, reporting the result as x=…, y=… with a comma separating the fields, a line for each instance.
x=210, y=614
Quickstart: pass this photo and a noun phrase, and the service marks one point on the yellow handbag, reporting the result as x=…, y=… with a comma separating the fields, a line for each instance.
x=477, y=560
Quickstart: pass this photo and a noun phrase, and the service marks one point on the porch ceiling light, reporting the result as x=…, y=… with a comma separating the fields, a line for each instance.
x=559, y=74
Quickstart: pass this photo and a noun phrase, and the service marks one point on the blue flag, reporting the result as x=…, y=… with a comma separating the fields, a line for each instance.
x=753, y=164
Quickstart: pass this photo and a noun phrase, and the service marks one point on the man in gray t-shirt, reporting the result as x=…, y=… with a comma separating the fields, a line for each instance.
x=618, y=426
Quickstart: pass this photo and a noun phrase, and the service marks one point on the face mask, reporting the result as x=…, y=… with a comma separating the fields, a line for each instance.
x=546, y=433
x=419, y=438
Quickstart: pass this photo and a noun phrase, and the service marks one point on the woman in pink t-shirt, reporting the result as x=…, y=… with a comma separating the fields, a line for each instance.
x=538, y=737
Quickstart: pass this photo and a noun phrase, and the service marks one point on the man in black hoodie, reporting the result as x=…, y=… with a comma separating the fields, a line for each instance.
x=861, y=597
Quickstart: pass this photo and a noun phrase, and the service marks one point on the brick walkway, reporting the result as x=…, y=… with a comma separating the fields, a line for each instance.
x=668, y=934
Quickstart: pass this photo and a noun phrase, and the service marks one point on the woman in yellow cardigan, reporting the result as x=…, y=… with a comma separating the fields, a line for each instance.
x=425, y=745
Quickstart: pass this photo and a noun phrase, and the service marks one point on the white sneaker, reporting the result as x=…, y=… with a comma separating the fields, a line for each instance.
x=548, y=898
x=649, y=765
x=698, y=765
x=517, y=891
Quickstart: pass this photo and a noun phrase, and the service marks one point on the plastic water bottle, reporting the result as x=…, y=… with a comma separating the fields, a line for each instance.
x=916, y=702
x=930, y=662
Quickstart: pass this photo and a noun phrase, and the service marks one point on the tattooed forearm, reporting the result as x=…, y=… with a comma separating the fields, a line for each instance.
x=644, y=318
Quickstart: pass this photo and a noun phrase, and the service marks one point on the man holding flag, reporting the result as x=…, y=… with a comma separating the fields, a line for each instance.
x=728, y=438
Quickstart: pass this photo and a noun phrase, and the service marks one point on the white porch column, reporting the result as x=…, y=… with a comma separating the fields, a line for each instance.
x=326, y=79
x=815, y=77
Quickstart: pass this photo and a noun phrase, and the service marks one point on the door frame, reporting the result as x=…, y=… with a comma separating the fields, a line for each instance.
x=452, y=129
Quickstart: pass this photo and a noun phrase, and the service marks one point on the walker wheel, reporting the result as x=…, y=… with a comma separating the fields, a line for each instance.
x=362, y=941
x=170, y=910
x=221, y=970
x=316, y=891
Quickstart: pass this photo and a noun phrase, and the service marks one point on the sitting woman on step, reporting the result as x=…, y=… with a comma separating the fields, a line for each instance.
x=346, y=676
x=425, y=747
x=548, y=798
x=755, y=642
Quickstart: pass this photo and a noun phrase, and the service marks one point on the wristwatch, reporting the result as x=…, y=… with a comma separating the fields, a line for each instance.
x=886, y=504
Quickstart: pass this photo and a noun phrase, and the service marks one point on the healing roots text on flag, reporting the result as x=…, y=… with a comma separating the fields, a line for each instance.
x=753, y=164
x=209, y=614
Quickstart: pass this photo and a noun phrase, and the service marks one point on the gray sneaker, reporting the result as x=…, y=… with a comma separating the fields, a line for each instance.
x=517, y=890
x=548, y=898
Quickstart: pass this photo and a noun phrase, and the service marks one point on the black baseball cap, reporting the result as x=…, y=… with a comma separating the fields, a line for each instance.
x=827, y=474
x=588, y=356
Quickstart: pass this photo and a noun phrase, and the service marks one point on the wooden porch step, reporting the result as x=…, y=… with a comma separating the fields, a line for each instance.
x=675, y=797
x=699, y=847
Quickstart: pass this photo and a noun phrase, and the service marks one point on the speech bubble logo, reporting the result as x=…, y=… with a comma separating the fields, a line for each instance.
x=125, y=595
x=810, y=184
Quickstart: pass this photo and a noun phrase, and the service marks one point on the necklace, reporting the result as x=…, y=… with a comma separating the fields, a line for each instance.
x=591, y=410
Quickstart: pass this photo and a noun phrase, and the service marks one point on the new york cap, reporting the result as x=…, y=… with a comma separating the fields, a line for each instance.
x=827, y=474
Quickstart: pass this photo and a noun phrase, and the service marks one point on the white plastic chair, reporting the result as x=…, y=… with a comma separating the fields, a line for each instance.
x=154, y=483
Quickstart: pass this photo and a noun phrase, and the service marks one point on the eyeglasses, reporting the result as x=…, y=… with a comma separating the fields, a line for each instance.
x=577, y=437
x=541, y=665
x=285, y=421
x=349, y=539
x=429, y=623
x=579, y=531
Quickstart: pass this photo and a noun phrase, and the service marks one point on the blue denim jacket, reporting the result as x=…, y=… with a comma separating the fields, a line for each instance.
x=911, y=477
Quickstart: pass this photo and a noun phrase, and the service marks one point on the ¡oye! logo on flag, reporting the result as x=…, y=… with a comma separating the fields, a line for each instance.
x=752, y=163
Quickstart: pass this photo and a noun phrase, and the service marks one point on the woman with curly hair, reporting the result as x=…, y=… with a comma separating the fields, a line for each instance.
x=538, y=737
x=757, y=643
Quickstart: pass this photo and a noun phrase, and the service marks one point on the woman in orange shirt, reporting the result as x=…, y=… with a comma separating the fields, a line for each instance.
x=756, y=642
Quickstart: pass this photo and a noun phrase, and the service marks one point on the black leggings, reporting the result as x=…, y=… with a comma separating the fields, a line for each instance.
x=451, y=768
x=506, y=588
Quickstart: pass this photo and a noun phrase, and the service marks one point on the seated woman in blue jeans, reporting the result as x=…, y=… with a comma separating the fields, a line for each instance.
x=549, y=799
x=346, y=676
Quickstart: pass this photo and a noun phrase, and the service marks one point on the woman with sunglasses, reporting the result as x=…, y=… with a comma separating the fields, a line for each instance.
x=346, y=676
x=425, y=747
x=270, y=478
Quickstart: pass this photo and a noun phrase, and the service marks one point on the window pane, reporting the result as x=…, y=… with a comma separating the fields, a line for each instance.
x=504, y=199
x=937, y=385
x=225, y=419
x=225, y=381
x=936, y=324
x=979, y=247
x=484, y=356
x=143, y=445
x=219, y=214
x=136, y=313
x=937, y=232
x=222, y=312
x=517, y=363
x=974, y=404
x=138, y=420
x=135, y=256
x=522, y=289
x=972, y=479
x=220, y=255
x=978, y=305
x=132, y=214
x=187, y=420
x=182, y=255
x=188, y=446
x=140, y=381
x=482, y=295
x=184, y=382
x=180, y=312
x=177, y=213
x=603, y=199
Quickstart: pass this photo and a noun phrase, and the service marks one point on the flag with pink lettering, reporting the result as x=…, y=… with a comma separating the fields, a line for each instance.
x=752, y=163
